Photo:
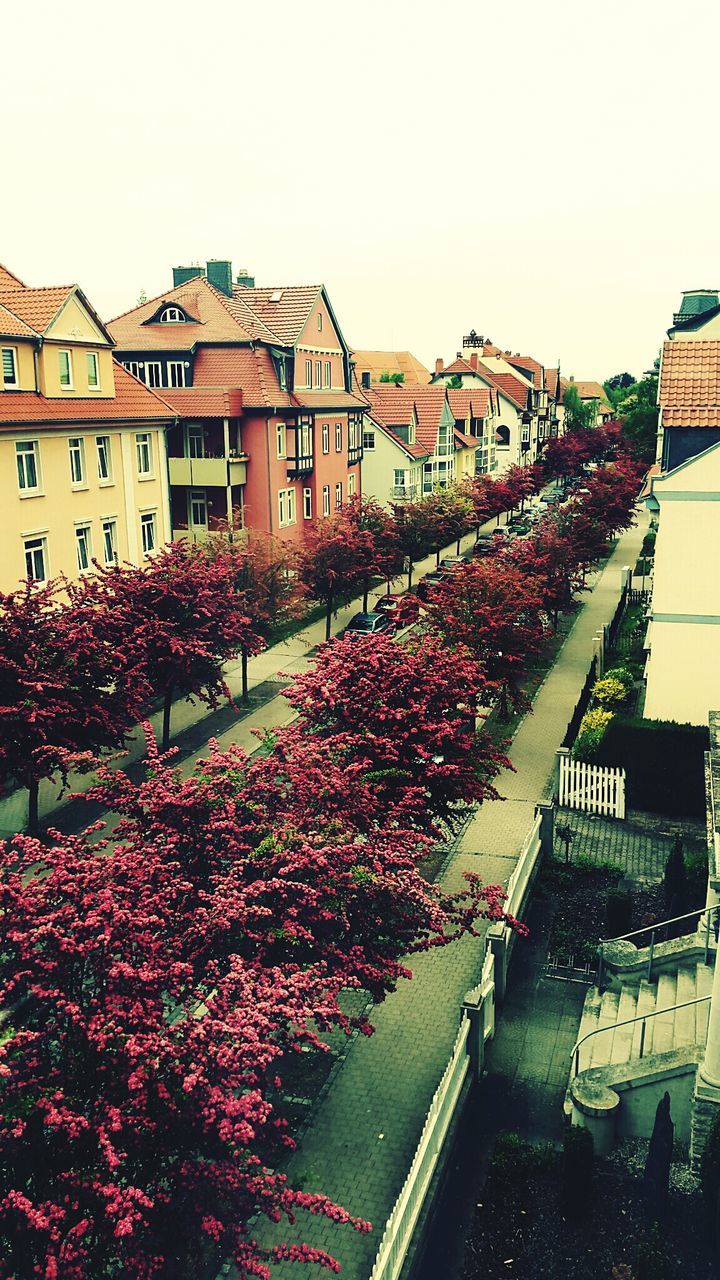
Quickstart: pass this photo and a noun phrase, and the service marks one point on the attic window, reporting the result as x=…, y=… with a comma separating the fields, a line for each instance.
x=276, y=295
x=172, y=315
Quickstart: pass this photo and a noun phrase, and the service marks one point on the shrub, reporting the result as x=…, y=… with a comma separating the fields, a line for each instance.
x=609, y=692
x=577, y=1169
x=648, y=546
x=651, y=1262
x=696, y=867
x=618, y=912
x=675, y=880
x=593, y=728
x=664, y=764
x=625, y=675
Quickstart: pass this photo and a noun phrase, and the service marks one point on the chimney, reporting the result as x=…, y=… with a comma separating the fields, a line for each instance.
x=439, y=365
x=219, y=273
x=181, y=274
x=572, y=377
x=473, y=359
x=247, y=281
x=694, y=303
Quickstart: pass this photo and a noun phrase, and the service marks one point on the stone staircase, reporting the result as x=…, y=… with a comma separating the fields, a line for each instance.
x=665, y=1032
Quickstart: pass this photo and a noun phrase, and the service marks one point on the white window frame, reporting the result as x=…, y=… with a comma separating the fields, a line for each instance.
x=326, y=499
x=318, y=373
x=21, y=453
x=281, y=439
x=286, y=508
x=175, y=373
x=319, y=321
x=83, y=546
x=13, y=382
x=172, y=315
x=525, y=437
x=195, y=433
x=32, y=545
x=338, y=496
x=368, y=441
x=197, y=497
x=351, y=484
x=326, y=437
x=109, y=536
x=144, y=452
x=93, y=366
x=328, y=374
x=338, y=437
x=148, y=524
x=66, y=386
x=104, y=451
x=307, y=504
x=135, y=367
x=308, y=374
x=282, y=376
x=153, y=374
x=76, y=451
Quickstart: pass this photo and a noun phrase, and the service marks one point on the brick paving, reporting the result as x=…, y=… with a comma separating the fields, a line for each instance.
x=359, y=1144
x=640, y=853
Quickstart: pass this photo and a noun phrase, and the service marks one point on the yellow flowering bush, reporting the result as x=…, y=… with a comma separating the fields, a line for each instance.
x=593, y=728
x=609, y=692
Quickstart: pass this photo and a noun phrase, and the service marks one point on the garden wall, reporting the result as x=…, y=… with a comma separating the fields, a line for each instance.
x=664, y=763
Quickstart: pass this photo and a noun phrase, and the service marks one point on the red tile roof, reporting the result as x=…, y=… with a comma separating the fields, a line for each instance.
x=37, y=307
x=378, y=362
x=459, y=366
x=512, y=388
x=8, y=280
x=470, y=442
x=11, y=326
x=319, y=400
x=590, y=391
x=690, y=383
x=250, y=370
x=205, y=402
x=470, y=402
x=287, y=316
x=413, y=450
x=527, y=365
x=551, y=382
x=215, y=318
x=133, y=401
x=395, y=405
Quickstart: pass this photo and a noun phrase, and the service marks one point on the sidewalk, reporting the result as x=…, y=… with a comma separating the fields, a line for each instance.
x=359, y=1146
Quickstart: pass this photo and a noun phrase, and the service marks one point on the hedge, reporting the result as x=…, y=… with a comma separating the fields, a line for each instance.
x=663, y=762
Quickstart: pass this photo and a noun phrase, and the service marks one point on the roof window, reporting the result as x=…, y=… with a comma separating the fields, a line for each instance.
x=172, y=315
x=276, y=295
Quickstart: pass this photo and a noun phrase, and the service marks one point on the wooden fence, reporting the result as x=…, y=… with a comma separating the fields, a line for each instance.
x=590, y=787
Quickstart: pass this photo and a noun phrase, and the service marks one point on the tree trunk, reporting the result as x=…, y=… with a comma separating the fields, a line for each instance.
x=457, y=548
x=328, y=617
x=33, y=806
x=410, y=572
x=365, y=596
x=437, y=557
x=244, y=669
x=167, y=707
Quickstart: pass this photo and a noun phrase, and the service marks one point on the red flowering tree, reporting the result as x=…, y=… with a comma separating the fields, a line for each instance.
x=497, y=616
x=64, y=686
x=334, y=561
x=453, y=517
x=415, y=525
x=549, y=558
x=179, y=619
x=386, y=560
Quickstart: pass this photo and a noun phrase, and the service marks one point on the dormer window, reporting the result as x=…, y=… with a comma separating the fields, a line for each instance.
x=172, y=315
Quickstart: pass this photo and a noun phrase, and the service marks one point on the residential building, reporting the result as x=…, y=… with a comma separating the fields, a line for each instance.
x=516, y=400
x=372, y=366
x=83, y=471
x=689, y=386
x=474, y=412
x=392, y=469
x=260, y=378
x=422, y=419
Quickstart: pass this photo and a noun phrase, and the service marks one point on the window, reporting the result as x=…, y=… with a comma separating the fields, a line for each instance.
x=176, y=373
x=308, y=373
x=153, y=373
x=109, y=532
x=9, y=367
x=104, y=458
x=135, y=367
x=77, y=460
x=326, y=499
x=326, y=437
x=65, y=363
x=307, y=504
x=319, y=321
x=368, y=441
x=143, y=449
x=82, y=546
x=328, y=373
x=148, y=530
x=526, y=434
x=93, y=371
x=36, y=559
x=318, y=373
x=28, y=465
x=198, y=509
x=172, y=315
x=282, y=375
x=399, y=479
x=281, y=440
x=338, y=437
x=195, y=442
x=351, y=485
x=286, y=507
x=305, y=432
x=338, y=496
x=502, y=436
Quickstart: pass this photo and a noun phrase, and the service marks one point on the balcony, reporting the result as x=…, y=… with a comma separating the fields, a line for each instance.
x=405, y=492
x=355, y=455
x=300, y=466
x=207, y=473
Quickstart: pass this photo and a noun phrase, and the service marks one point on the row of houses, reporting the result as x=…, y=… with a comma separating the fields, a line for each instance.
x=221, y=401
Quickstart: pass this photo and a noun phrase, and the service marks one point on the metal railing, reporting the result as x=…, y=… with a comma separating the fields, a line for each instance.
x=627, y=1022
x=655, y=928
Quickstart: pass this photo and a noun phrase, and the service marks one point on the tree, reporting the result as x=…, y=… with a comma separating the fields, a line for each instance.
x=496, y=616
x=578, y=413
x=452, y=517
x=65, y=686
x=639, y=418
x=546, y=557
x=616, y=388
x=454, y=383
x=386, y=560
x=415, y=530
x=334, y=561
x=180, y=620
x=397, y=378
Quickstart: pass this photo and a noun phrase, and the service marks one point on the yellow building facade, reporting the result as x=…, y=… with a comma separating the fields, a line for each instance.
x=83, y=466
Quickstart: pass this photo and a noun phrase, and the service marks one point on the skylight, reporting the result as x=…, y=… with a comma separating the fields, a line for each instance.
x=276, y=295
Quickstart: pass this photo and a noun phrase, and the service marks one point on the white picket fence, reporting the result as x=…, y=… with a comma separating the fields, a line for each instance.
x=523, y=869
x=590, y=787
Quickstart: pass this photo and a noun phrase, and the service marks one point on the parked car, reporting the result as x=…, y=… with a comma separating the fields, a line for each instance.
x=430, y=582
x=402, y=609
x=369, y=624
x=451, y=564
x=482, y=548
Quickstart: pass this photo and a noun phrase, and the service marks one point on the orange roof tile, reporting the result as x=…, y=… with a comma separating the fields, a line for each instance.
x=251, y=370
x=527, y=365
x=133, y=401
x=378, y=362
x=287, y=316
x=37, y=307
x=416, y=450
x=469, y=442
x=205, y=402
x=512, y=388
x=395, y=405
x=320, y=400
x=590, y=391
x=8, y=280
x=458, y=366
x=11, y=326
x=689, y=391
x=473, y=402
x=215, y=318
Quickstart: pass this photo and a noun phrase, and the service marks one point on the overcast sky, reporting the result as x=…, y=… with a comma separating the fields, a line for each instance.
x=544, y=172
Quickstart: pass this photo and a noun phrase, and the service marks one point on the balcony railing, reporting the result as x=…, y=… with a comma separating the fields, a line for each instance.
x=405, y=492
x=300, y=465
x=355, y=454
x=208, y=472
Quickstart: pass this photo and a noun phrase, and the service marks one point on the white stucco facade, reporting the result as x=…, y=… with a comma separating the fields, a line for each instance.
x=683, y=673
x=388, y=472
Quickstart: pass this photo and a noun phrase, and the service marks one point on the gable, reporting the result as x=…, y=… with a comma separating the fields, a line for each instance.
x=699, y=476
x=74, y=323
x=325, y=339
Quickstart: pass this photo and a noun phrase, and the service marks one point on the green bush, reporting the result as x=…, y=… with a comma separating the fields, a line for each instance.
x=648, y=546
x=696, y=867
x=675, y=880
x=593, y=727
x=664, y=762
x=609, y=692
x=625, y=675
x=618, y=912
x=651, y=1262
x=577, y=1170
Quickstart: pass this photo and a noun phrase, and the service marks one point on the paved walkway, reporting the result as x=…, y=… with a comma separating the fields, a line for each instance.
x=359, y=1146
x=640, y=853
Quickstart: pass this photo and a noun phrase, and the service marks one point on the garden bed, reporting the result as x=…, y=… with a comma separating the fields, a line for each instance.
x=521, y=1227
x=579, y=894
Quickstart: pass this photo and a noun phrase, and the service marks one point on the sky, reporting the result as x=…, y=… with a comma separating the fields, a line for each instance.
x=543, y=171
